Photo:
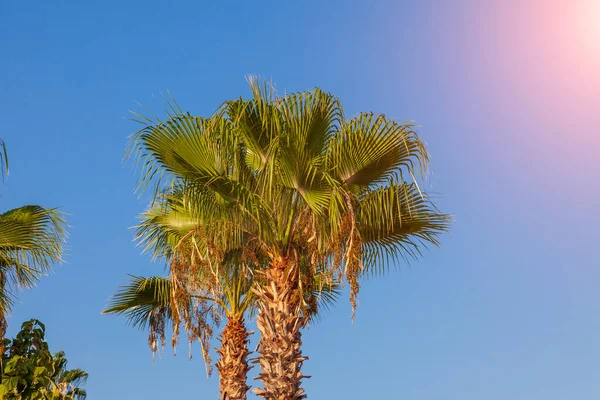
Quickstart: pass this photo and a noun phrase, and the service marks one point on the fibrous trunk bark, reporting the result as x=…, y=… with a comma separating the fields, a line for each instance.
x=3, y=327
x=280, y=321
x=233, y=363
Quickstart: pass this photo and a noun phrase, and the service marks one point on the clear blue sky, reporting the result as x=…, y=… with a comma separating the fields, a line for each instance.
x=507, y=94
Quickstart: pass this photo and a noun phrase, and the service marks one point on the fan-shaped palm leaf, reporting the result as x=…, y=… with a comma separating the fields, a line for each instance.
x=31, y=239
x=301, y=192
x=67, y=383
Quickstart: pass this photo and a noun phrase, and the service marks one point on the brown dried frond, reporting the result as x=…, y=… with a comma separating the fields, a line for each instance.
x=195, y=279
x=352, y=253
x=156, y=337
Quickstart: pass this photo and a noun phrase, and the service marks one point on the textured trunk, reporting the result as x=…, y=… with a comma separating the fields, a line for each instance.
x=233, y=363
x=3, y=327
x=3, y=322
x=280, y=321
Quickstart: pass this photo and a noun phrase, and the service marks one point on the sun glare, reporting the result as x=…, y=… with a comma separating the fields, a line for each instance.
x=590, y=24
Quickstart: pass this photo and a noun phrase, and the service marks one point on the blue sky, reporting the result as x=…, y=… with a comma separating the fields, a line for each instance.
x=507, y=94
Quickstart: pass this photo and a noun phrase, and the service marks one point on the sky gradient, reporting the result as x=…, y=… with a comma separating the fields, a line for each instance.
x=507, y=94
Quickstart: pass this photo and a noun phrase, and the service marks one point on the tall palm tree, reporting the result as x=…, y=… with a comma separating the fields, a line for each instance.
x=31, y=241
x=292, y=182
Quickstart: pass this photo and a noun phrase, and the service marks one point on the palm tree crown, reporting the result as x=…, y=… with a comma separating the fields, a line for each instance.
x=296, y=186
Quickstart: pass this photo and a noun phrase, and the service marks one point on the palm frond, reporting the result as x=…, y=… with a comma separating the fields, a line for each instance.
x=370, y=149
x=311, y=120
x=397, y=221
x=141, y=300
x=31, y=241
x=281, y=178
x=68, y=382
x=326, y=295
x=3, y=159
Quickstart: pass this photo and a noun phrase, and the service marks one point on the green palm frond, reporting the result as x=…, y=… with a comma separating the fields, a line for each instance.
x=141, y=300
x=75, y=377
x=278, y=176
x=326, y=295
x=3, y=159
x=31, y=241
x=68, y=382
x=176, y=225
x=397, y=221
x=186, y=147
x=144, y=297
x=150, y=304
x=198, y=153
x=257, y=121
x=370, y=149
x=311, y=120
x=162, y=227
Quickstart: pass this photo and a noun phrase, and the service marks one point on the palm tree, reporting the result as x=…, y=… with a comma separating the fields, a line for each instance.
x=66, y=384
x=294, y=183
x=168, y=231
x=31, y=239
x=148, y=303
x=153, y=301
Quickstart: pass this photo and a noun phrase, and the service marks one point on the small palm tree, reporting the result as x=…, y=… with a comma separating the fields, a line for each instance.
x=148, y=303
x=66, y=383
x=297, y=186
x=31, y=241
x=154, y=301
x=168, y=231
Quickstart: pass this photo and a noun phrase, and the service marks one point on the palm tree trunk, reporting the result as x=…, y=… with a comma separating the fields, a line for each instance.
x=233, y=363
x=280, y=320
x=3, y=327
x=4, y=305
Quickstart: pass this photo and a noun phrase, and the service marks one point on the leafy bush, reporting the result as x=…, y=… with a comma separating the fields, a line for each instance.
x=30, y=372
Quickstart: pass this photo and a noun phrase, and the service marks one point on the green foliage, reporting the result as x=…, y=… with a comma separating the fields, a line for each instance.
x=142, y=301
x=31, y=241
x=289, y=192
x=3, y=159
x=291, y=179
x=30, y=371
